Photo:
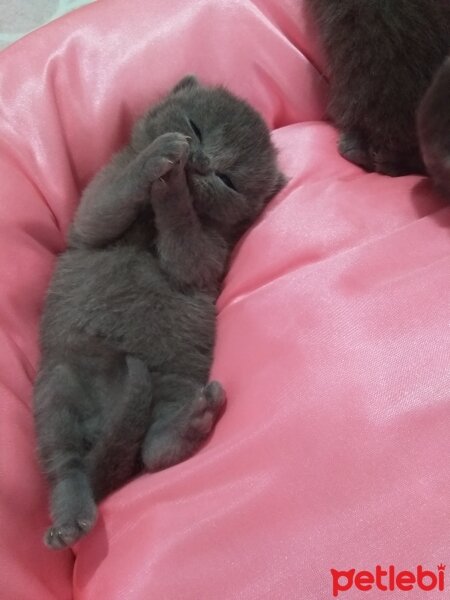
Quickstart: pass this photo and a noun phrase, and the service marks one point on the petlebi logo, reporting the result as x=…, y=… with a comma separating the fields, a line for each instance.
x=388, y=580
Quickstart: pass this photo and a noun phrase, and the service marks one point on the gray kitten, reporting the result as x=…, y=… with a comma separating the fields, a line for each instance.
x=434, y=129
x=128, y=328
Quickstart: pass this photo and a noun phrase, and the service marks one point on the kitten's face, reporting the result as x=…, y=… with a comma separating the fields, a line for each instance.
x=232, y=170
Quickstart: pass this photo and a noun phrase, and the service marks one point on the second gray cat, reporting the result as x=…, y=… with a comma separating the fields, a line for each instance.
x=128, y=328
x=381, y=56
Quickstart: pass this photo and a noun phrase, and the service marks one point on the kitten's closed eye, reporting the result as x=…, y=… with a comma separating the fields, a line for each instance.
x=226, y=180
x=196, y=130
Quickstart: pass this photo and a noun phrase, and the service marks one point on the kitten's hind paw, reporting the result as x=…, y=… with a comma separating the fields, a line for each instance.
x=207, y=409
x=173, y=440
x=66, y=533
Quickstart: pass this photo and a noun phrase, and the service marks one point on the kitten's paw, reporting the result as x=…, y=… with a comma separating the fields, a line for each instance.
x=207, y=408
x=178, y=440
x=166, y=151
x=352, y=147
x=65, y=533
x=396, y=164
x=172, y=186
x=375, y=158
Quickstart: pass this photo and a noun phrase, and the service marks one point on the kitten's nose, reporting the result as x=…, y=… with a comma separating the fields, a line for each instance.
x=199, y=162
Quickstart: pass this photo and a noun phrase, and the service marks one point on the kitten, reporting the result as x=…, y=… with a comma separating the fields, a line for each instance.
x=382, y=55
x=128, y=328
x=433, y=121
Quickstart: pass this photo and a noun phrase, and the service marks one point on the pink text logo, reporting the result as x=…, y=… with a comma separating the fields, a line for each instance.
x=388, y=580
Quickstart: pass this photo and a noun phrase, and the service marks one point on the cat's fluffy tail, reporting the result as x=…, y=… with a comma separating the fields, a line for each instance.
x=115, y=457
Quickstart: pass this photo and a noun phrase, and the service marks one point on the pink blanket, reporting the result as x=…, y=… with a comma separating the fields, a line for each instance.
x=333, y=339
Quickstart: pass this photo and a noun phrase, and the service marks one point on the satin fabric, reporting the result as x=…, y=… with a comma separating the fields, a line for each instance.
x=333, y=332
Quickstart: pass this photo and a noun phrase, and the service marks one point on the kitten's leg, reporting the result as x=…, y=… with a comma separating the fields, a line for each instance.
x=189, y=253
x=111, y=202
x=184, y=416
x=62, y=449
x=114, y=458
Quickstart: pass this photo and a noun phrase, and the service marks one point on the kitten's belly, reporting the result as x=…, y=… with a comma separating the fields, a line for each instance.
x=118, y=299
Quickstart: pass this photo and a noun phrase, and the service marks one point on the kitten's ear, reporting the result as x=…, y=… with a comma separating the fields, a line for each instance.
x=190, y=81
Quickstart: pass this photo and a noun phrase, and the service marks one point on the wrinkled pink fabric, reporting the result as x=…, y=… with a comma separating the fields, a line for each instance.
x=333, y=338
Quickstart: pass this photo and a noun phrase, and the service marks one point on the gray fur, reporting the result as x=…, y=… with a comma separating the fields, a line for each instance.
x=382, y=55
x=434, y=129
x=129, y=322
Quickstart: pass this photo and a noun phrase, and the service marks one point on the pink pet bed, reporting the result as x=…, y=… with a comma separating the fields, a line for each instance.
x=333, y=339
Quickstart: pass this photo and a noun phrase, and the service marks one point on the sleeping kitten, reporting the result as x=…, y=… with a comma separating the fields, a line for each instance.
x=434, y=129
x=382, y=55
x=128, y=326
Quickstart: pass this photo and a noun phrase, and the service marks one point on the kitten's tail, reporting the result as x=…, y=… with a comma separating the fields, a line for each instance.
x=114, y=458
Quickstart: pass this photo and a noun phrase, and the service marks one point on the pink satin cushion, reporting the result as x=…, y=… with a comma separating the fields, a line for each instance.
x=333, y=339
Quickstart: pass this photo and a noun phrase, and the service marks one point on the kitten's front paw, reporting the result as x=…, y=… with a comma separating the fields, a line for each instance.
x=171, y=190
x=66, y=532
x=396, y=164
x=166, y=151
x=364, y=153
x=352, y=146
